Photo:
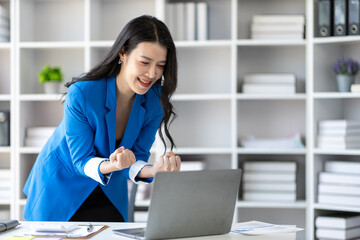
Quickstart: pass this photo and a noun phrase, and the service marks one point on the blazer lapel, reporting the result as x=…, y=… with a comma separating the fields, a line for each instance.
x=111, y=114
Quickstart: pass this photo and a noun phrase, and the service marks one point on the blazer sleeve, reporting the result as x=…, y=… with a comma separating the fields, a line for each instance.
x=79, y=133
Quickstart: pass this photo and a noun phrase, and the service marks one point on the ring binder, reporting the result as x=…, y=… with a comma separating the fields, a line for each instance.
x=324, y=18
x=353, y=17
x=340, y=16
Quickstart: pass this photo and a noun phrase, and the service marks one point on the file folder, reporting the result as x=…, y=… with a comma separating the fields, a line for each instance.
x=353, y=17
x=324, y=18
x=340, y=17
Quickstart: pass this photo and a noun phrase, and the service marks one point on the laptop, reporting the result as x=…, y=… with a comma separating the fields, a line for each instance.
x=189, y=204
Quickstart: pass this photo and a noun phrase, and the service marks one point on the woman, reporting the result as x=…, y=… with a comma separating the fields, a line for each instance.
x=111, y=115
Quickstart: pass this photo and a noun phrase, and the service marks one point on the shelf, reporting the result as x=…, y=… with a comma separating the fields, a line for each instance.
x=335, y=95
x=301, y=151
x=47, y=45
x=41, y=97
x=333, y=39
x=251, y=204
x=5, y=202
x=209, y=43
x=336, y=151
x=5, y=45
x=5, y=149
x=298, y=96
x=275, y=42
x=5, y=97
x=205, y=151
x=30, y=150
x=336, y=208
x=200, y=97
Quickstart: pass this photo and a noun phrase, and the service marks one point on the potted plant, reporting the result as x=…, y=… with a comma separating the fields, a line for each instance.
x=346, y=70
x=50, y=77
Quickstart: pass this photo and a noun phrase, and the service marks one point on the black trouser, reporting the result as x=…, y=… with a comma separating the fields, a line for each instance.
x=97, y=208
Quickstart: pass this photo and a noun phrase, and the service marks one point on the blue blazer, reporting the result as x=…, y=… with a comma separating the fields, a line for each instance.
x=57, y=184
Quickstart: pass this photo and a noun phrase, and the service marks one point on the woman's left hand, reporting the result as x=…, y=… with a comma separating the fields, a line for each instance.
x=168, y=163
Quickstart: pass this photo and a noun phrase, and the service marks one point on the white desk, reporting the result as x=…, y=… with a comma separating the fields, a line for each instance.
x=107, y=234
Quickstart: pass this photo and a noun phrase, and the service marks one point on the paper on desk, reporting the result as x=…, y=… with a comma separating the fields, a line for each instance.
x=80, y=231
x=262, y=228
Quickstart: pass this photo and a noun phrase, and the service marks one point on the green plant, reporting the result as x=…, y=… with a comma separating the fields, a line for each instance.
x=50, y=74
x=347, y=66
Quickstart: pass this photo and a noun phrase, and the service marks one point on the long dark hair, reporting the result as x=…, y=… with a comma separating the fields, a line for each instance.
x=142, y=29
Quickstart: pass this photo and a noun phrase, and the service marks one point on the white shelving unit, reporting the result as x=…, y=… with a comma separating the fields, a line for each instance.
x=212, y=111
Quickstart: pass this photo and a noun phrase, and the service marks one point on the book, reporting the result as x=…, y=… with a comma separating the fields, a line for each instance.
x=5, y=174
x=339, y=123
x=268, y=88
x=342, y=167
x=339, y=189
x=291, y=142
x=270, y=78
x=38, y=141
x=355, y=88
x=277, y=36
x=40, y=131
x=171, y=19
x=270, y=186
x=180, y=20
x=347, y=200
x=338, y=146
x=341, y=221
x=339, y=139
x=339, y=178
x=202, y=21
x=277, y=27
x=333, y=233
x=192, y=165
x=190, y=21
x=266, y=176
x=339, y=131
x=277, y=166
x=270, y=19
x=272, y=196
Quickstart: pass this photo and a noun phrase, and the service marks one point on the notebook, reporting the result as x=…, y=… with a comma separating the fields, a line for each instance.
x=189, y=204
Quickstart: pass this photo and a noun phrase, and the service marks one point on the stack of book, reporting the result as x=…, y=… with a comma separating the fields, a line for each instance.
x=38, y=136
x=341, y=226
x=5, y=184
x=4, y=24
x=339, y=134
x=192, y=165
x=187, y=21
x=291, y=142
x=339, y=184
x=277, y=27
x=269, y=83
x=269, y=181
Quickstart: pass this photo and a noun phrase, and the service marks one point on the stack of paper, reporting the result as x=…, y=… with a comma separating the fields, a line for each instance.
x=341, y=226
x=38, y=136
x=339, y=184
x=187, y=21
x=277, y=27
x=293, y=141
x=269, y=83
x=5, y=183
x=4, y=24
x=269, y=181
x=339, y=134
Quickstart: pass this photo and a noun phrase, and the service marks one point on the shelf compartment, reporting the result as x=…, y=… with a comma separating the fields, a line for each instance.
x=248, y=8
x=300, y=170
x=270, y=113
x=203, y=79
x=272, y=59
x=5, y=76
x=108, y=17
x=32, y=61
x=31, y=116
x=52, y=20
x=207, y=121
x=324, y=57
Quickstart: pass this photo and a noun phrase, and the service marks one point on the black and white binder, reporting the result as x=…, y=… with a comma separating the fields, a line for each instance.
x=353, y=17
x=324, y=18
x=340, y=17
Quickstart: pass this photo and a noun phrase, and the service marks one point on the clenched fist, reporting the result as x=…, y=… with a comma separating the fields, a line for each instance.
x=122, y=158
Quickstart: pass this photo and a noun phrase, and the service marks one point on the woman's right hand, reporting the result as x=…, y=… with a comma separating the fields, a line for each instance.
x=122, y=158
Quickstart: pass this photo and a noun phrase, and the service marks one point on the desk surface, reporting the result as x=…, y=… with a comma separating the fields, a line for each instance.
x=109, y=235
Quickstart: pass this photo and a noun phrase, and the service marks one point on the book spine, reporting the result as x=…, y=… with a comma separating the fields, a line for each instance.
x=202, y=21
x=342, y=167
x=270, y=78
x=270, y=166
x=273, y=177
x=339, y=200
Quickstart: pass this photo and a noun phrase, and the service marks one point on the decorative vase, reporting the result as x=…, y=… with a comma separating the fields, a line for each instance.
x=344, y=82
x=51, y=87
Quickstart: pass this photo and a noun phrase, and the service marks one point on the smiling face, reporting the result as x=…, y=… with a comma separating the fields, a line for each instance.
x=142, y=67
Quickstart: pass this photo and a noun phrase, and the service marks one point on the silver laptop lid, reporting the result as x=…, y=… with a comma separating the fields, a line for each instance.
x=194, y=203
